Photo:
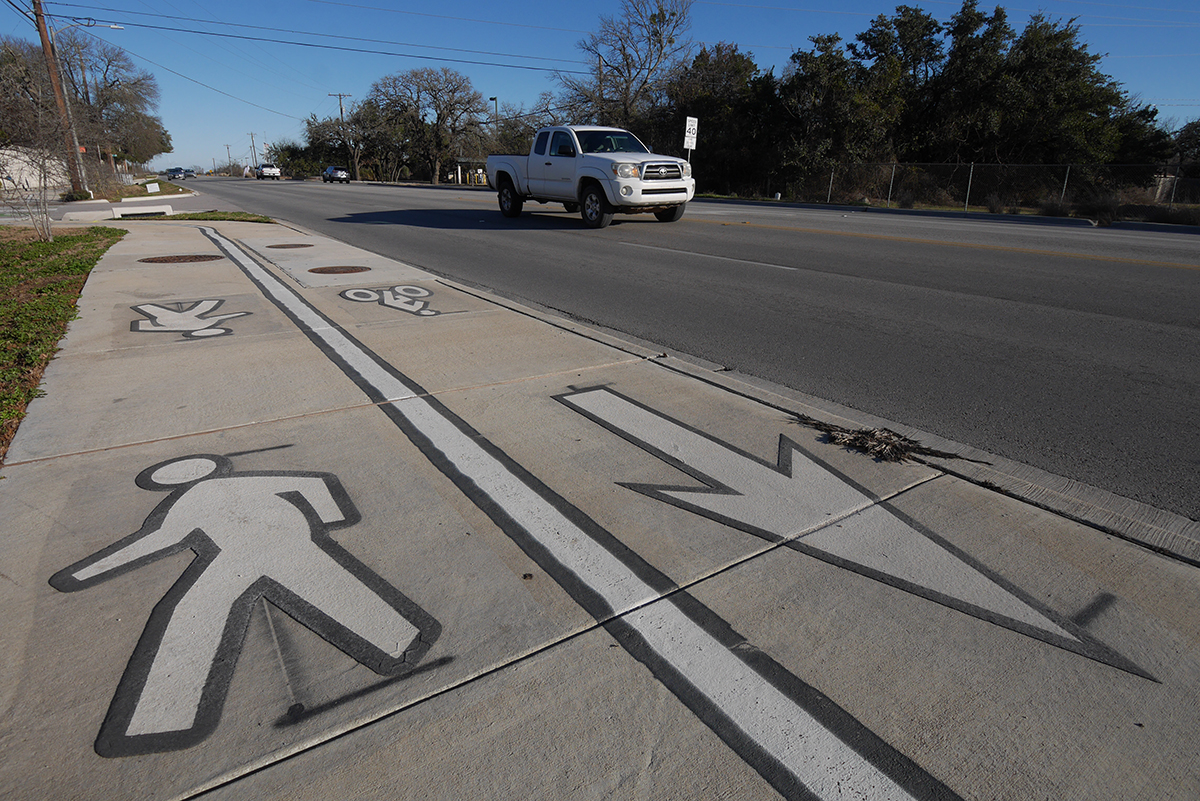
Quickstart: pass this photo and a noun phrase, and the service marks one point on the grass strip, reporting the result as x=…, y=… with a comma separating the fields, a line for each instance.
x=40, y=283
x=232, y=216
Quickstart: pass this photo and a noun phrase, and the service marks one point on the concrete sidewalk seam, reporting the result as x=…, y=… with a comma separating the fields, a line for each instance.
x=680, y=590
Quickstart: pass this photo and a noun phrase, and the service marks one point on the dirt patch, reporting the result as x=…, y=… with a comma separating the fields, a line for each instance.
x=180, y=259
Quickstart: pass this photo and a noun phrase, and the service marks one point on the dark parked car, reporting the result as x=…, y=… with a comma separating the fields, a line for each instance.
x=336, y=174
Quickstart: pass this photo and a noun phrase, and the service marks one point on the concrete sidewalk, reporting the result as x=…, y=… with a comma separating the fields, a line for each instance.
x=297, y=521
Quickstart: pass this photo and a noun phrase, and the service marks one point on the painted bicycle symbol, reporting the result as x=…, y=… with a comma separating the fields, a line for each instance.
x=404, y=298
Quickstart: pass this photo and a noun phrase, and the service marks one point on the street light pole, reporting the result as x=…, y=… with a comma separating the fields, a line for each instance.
x=74, y=149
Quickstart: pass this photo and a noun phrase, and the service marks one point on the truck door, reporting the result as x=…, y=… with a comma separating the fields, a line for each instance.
x=558, y=168
x=536, y=166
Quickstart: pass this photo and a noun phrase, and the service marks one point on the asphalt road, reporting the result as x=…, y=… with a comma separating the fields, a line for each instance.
x=1070, y=348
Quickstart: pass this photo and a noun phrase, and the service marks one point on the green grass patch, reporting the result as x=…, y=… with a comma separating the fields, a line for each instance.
x=228, y=216
x=40, y=283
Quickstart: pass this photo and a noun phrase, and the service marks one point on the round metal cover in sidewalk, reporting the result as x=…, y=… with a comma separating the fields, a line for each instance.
x=339, y=270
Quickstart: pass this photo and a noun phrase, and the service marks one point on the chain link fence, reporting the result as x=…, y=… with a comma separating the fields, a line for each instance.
x=1145, y=191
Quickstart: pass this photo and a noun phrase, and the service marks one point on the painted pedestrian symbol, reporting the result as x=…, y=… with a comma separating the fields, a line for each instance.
x=255, y=535
x=404, y=298
x=189, y=320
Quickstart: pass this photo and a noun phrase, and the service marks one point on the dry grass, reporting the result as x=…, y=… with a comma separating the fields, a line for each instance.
x=881, y=443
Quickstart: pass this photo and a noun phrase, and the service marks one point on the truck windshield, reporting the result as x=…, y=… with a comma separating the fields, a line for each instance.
x=609, y=142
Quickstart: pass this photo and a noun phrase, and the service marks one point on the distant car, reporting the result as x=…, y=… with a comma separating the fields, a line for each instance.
x=336, y=174
x=188, y=173
x=178, y=172
x=267, y=171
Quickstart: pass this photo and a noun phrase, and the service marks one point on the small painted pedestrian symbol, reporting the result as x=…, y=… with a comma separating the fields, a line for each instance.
x=190, y=320
x=255, y=535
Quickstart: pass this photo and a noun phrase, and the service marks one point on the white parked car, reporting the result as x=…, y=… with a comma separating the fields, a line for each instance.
x=267, y=171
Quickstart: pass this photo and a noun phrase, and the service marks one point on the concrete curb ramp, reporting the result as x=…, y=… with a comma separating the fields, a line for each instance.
x=296, y=521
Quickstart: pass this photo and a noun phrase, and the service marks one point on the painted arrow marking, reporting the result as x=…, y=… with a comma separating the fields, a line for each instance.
x=797, y=739
x=810, y=508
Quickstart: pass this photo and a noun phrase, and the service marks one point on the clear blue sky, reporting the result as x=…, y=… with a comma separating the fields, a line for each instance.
x=216, y=91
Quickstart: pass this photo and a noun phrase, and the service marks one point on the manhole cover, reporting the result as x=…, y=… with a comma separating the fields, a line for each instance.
x=290, y=245
x=180, y=259
x=339, y=270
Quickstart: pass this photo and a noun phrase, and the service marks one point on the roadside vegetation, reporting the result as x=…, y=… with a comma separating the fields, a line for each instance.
x=911, y=112
x=213, y=216
x=40, y=283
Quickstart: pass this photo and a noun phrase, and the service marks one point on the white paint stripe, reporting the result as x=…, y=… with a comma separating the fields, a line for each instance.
x=777, y=724
x=358, y=360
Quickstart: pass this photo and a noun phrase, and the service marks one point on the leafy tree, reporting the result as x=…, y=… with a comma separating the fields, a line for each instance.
x=634, y=57
x=1186, y=142
x=717, y=89
x=1057, y=106
x=966, y=119
x=443, y=108
x=831, y=118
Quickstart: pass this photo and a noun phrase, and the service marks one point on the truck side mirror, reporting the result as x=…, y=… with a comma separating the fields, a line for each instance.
x=566, y=150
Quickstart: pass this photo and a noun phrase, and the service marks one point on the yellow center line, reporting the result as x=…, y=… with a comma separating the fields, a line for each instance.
x=967, y=245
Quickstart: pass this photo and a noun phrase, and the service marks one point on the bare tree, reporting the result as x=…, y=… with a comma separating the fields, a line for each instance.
x=633, y=56
x=444, y=105
x=31, y=164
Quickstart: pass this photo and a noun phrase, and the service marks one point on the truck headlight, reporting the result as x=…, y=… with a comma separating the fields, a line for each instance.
x=625, y=170
x=687, y=169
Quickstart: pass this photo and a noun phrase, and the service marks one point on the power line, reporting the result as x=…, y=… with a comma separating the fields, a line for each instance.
x=340, y=48
x=200, y=83
x=21, y=10
x=275, y=29
x=444, y=16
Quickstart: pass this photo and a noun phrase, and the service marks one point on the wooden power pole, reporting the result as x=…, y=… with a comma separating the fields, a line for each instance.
x=59, y=98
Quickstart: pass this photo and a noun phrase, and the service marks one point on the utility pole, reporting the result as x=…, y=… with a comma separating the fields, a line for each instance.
x=342, y=116
x=56, y=85
x=253, y=152
x=228, y=161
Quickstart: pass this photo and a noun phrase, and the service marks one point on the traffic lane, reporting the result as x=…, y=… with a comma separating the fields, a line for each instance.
x=1036, y=234
x=1054, y=236
x=1143, y=289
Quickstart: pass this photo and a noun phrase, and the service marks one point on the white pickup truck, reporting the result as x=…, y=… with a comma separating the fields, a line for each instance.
x=599, y=171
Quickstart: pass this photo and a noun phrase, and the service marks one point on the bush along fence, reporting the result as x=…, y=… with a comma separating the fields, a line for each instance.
x=1162, y=193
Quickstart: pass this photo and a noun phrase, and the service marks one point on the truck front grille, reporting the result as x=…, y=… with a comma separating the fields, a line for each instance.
x=667, y=171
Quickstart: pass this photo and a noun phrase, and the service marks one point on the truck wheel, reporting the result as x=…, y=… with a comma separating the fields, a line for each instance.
x=596, y=212
x=673, y=214
x=510, y=203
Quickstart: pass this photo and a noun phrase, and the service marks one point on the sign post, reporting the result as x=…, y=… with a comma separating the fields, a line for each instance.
x=689, y=136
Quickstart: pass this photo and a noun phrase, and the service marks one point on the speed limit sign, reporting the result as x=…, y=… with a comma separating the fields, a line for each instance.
x=689, y=133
